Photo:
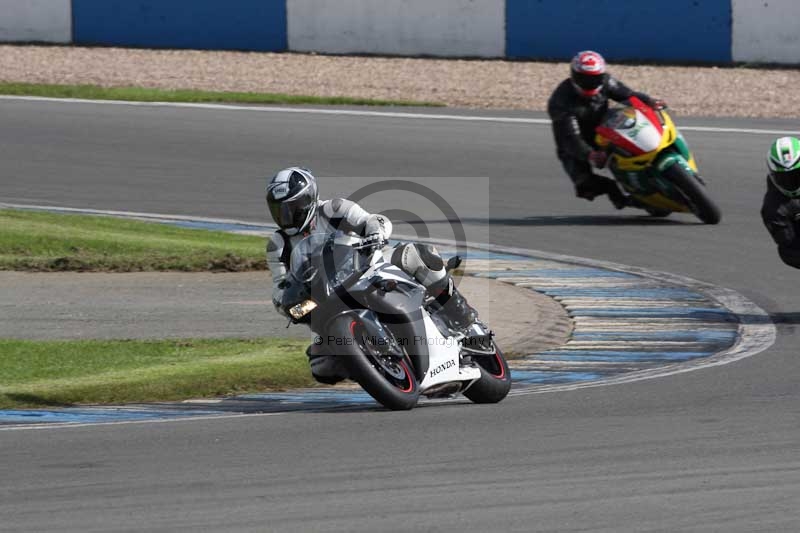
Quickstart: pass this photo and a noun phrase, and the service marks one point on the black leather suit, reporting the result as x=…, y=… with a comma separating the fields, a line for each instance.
x=780, y=215
x=574, y=118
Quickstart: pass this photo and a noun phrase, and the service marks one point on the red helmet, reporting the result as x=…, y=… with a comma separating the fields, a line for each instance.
x=588, y=72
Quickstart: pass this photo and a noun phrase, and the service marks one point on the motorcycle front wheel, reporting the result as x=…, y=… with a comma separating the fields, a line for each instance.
x=390, y=381
x=695, y=194
x=495, y=380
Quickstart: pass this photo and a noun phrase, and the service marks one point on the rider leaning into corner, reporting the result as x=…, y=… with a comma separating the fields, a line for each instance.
x=780, y=210
x=293, y=201
x=576, y=107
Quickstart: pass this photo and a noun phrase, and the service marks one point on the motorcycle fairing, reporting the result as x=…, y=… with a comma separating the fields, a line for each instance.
x=641, y=137
x=644, y=143
x=650, y=187
x=406, y=296
x=445, y=360
x=635, y=142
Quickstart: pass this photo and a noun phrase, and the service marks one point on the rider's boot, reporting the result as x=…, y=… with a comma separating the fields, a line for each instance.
x=615, y=194
x=325, y=368
x=596, y=185
x=456, y=313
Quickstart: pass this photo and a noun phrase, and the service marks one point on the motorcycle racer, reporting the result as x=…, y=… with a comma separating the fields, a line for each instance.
x=293, y=201
x=780, y=209
x=576, y=107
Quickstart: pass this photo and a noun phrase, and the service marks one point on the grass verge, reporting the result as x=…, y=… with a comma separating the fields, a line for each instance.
x=61, y=373
x=47, y=242
x=140, y=94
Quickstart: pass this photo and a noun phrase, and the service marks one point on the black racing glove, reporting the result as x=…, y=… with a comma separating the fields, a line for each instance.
x=597, y=158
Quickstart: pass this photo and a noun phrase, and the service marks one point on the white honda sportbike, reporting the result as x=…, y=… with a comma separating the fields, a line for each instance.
x=385, y=330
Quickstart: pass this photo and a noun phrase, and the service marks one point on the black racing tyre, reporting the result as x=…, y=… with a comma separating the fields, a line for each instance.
x=694, y=193
x=391, y=383
x=495, y=380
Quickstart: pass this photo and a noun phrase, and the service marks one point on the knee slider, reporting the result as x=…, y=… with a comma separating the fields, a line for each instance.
x=413, y=257
x=430, y=257
x=400, y=256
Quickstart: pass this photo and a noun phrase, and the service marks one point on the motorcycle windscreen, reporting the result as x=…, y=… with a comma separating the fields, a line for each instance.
x=320, y=254
x=632, y=131
x=620, y=118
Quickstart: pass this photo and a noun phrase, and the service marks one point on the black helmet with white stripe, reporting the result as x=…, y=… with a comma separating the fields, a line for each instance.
x=292, y=198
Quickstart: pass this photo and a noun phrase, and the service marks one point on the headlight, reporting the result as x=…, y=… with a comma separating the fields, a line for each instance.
x=302, y=309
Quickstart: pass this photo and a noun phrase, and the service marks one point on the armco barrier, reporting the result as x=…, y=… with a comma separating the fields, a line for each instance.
x=206, y=24
x=680, y=30
x=708, y=31
x=47, y=21
x=466, y=28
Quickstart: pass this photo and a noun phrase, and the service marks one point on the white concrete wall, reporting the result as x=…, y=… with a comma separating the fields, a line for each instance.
x=36, y=20
x=465, y=28
x=766, y=31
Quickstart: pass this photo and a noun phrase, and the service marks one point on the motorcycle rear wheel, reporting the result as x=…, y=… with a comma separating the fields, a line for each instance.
x=495, y=380
x=392, y=383
x=694, y=193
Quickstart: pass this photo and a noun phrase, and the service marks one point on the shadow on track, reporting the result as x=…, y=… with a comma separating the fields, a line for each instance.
x=320, y=400
x=785, y=321
x=563, y=220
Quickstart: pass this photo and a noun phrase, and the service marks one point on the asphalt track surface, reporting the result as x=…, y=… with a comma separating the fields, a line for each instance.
x=712, y=450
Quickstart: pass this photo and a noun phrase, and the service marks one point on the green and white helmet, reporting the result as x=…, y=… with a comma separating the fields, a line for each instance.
x=783, y=161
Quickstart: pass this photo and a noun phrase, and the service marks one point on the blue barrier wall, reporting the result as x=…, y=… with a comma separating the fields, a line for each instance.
x=679, y=30
x=204, y=24
x=707, y=31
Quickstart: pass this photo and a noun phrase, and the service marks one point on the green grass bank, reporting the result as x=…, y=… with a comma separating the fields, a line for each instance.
x=48, y=242
x=61, y=373
x=52, y=373
x=140, y=94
